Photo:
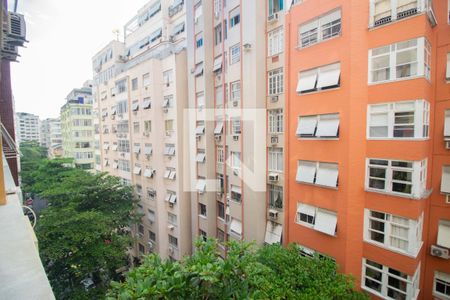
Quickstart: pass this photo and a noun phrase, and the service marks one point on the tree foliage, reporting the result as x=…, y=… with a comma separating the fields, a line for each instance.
x=31, y=155
x=83, y=235
x=270, y=272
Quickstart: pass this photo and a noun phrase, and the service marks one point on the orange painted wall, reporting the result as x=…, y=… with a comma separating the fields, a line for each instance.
x=352, y=148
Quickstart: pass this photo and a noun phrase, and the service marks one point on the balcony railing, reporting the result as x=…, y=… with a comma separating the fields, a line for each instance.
x=175, y=8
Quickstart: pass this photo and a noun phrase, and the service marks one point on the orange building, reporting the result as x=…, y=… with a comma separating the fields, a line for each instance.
x=367, y=115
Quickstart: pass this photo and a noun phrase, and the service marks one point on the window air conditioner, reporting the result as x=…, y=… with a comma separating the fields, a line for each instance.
x=274, y=98
x=439, y=252
x=171, y=250
x=273, y=214
x=273, y=17
x=217, y=138
x=235, y=103
x=171, y=227
x=274, y=139
x=236, y=137
x=150, y=245
x=273, y=177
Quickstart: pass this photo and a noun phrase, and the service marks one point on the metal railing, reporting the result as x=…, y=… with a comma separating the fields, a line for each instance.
x=10, y=148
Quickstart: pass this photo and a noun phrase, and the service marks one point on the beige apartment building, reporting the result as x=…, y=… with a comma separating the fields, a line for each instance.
x=77, y=127
x=140, y=93
x=235, y=57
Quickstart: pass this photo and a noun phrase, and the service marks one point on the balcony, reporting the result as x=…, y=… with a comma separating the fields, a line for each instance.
x=21, y=272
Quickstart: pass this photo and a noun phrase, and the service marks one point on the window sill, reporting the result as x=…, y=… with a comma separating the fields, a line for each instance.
x=310, y=226
x=202, y=216
x=373, y=27
x=299, y=48
x=398, y=80
x=398, y=139
x=406, y=196
x=395, y=250
x=317, y=185
x=317, y=138
x=318, y=91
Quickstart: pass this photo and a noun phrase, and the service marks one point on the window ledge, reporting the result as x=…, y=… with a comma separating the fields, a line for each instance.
x=398, y=80
x=299, y=48
x=202, y=216
x=317, y=185
x=318, y=91
x=310, y=226
x=398, y=139
x=398, y=251
x=317, y=138
x=406, y=196
x=373, y=28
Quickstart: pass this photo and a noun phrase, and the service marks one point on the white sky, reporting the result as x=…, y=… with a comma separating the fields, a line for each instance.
x=63, y=35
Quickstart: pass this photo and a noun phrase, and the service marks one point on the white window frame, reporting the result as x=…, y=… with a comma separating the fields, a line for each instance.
x=313, y=30
x=235, y=91
x=321, y=220
x=384, y=115
x=394, y=224
x=443, y=236
x=412, y=282
x=275, y=82
x=418, y=176
x=447, y=125
x=445, y=180
x=276, y=119
x=235, y=53
x=323, y=126
x=447, y=72
x=394, y=12
x=275, y=159
x=322, y=174
x=235, y=124
x=220, y=155
x=319, y=79
x=275, y=41
x=444, y=279
x=390, y=52
x=236, y=160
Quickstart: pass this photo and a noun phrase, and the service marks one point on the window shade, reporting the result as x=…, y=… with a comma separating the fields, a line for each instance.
x=307, y=81
x=443, y=238
x=273, y=233
x=325, y=222
x=306, y=171
x=306, y=125
x=236, y=226
x=327, y=174
x=328, y=125
x=445, y=180
x=329, y=76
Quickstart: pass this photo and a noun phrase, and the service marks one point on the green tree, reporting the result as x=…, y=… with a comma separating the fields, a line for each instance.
x=247, y=272
x=83, y=234
x=31, y=155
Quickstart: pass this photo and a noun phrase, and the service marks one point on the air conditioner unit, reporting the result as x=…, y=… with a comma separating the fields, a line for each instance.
x=273, y=177
x=273, y=17
x=150, y=245
x=273, y=214
x=171, y=250
x=274, y=139
x=165, y=109
x=122, y=58
x=247, y=47
x=217, y=138
x=274, y=98
x=235, y=103
x=235, y=137
x=16, y=34
x=171, y=227
x=439, y=252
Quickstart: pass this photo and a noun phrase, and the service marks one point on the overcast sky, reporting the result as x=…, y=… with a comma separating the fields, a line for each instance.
x=63, y=36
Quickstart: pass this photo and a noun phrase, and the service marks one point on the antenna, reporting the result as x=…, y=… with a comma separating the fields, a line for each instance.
x=116, y=32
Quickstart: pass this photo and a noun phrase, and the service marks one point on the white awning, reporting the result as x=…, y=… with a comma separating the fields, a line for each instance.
x=329, y=76
x=219, y=128
x=136, y=149
x=201, y=186
x=167, y=198
x=105, y=162
x=179, y=28
x=306, y=126
x=135, y=107
x=167, y=173
x=236, y=189
x=198, y=69
x=327, y=174
x=328, y=125
x=200, y=157
x=173, y=198
x=443, y=238
x=148, y=149
x=115, y=165
x=309, y=26
x=200, y=130
x=273, y=233
x=306, y=209
x=172, y=151
x=137, y=170
x=105, y=146
x=113, y=111
x=306, y=171
x=149, y=172
x=165, y=103
x=217, y=64
x=172, y=174
x=147, y=104
x=325, y=221
x=307, y=81
x=445, y=180
x=156, y=34
x=236, y=227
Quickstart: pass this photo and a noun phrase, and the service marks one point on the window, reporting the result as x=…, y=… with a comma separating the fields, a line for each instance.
x=201, y=185
x=217, y=67
x=235, y=54
x=235, y=88
x=447, y=73
x=275, y=42
x=445, y=180
x=148, y=149
x=217, y=34
x=220, y=155
x=169, y=150
x=400, y=60
x=168, y=125
x=200, y=129
x=199, y=40
x=407, y=178
x=170, y=173
x=275, y=120
x=198, y=69
x=275, y=158
x=198, y=12
x=201, y=156
x=275, y=197
x=236, y=160
x=202, y=209
x=319, y=173
x=141, y=248
x=318, y=126
x=443, y=237
x=152, y=236
x=200, y=99
x=275, y=81
x=135, y=105
x=124, y=165
x=168, y=77
x=235, y=125
x=123, y=146
x=151, y=216
x=121, y=86
x=122, y=107
x=220, y=183
x=172, y=218
x=235, y=228
x=220, y=236
x=235, y=17
x=321, y=78
x=221, y=210
x=397, y=120
x=219, y=96
x=136, y=127
x=317, y=218
x=275, y=6
x=441, y=285
x=178, y=29
x=148, y=126
x=386, y=11
x=273, y=233
x=387, y=282
x=146, y=79
x=320, y=29
x=236, y=193
x=134, y=84
x=173, y=241
x=393, y=232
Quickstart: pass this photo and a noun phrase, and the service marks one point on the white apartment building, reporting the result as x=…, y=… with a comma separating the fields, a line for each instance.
x=51, y=137
x=140, y=93
x=27, y=126
x=77, y=122
x=234, y=49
